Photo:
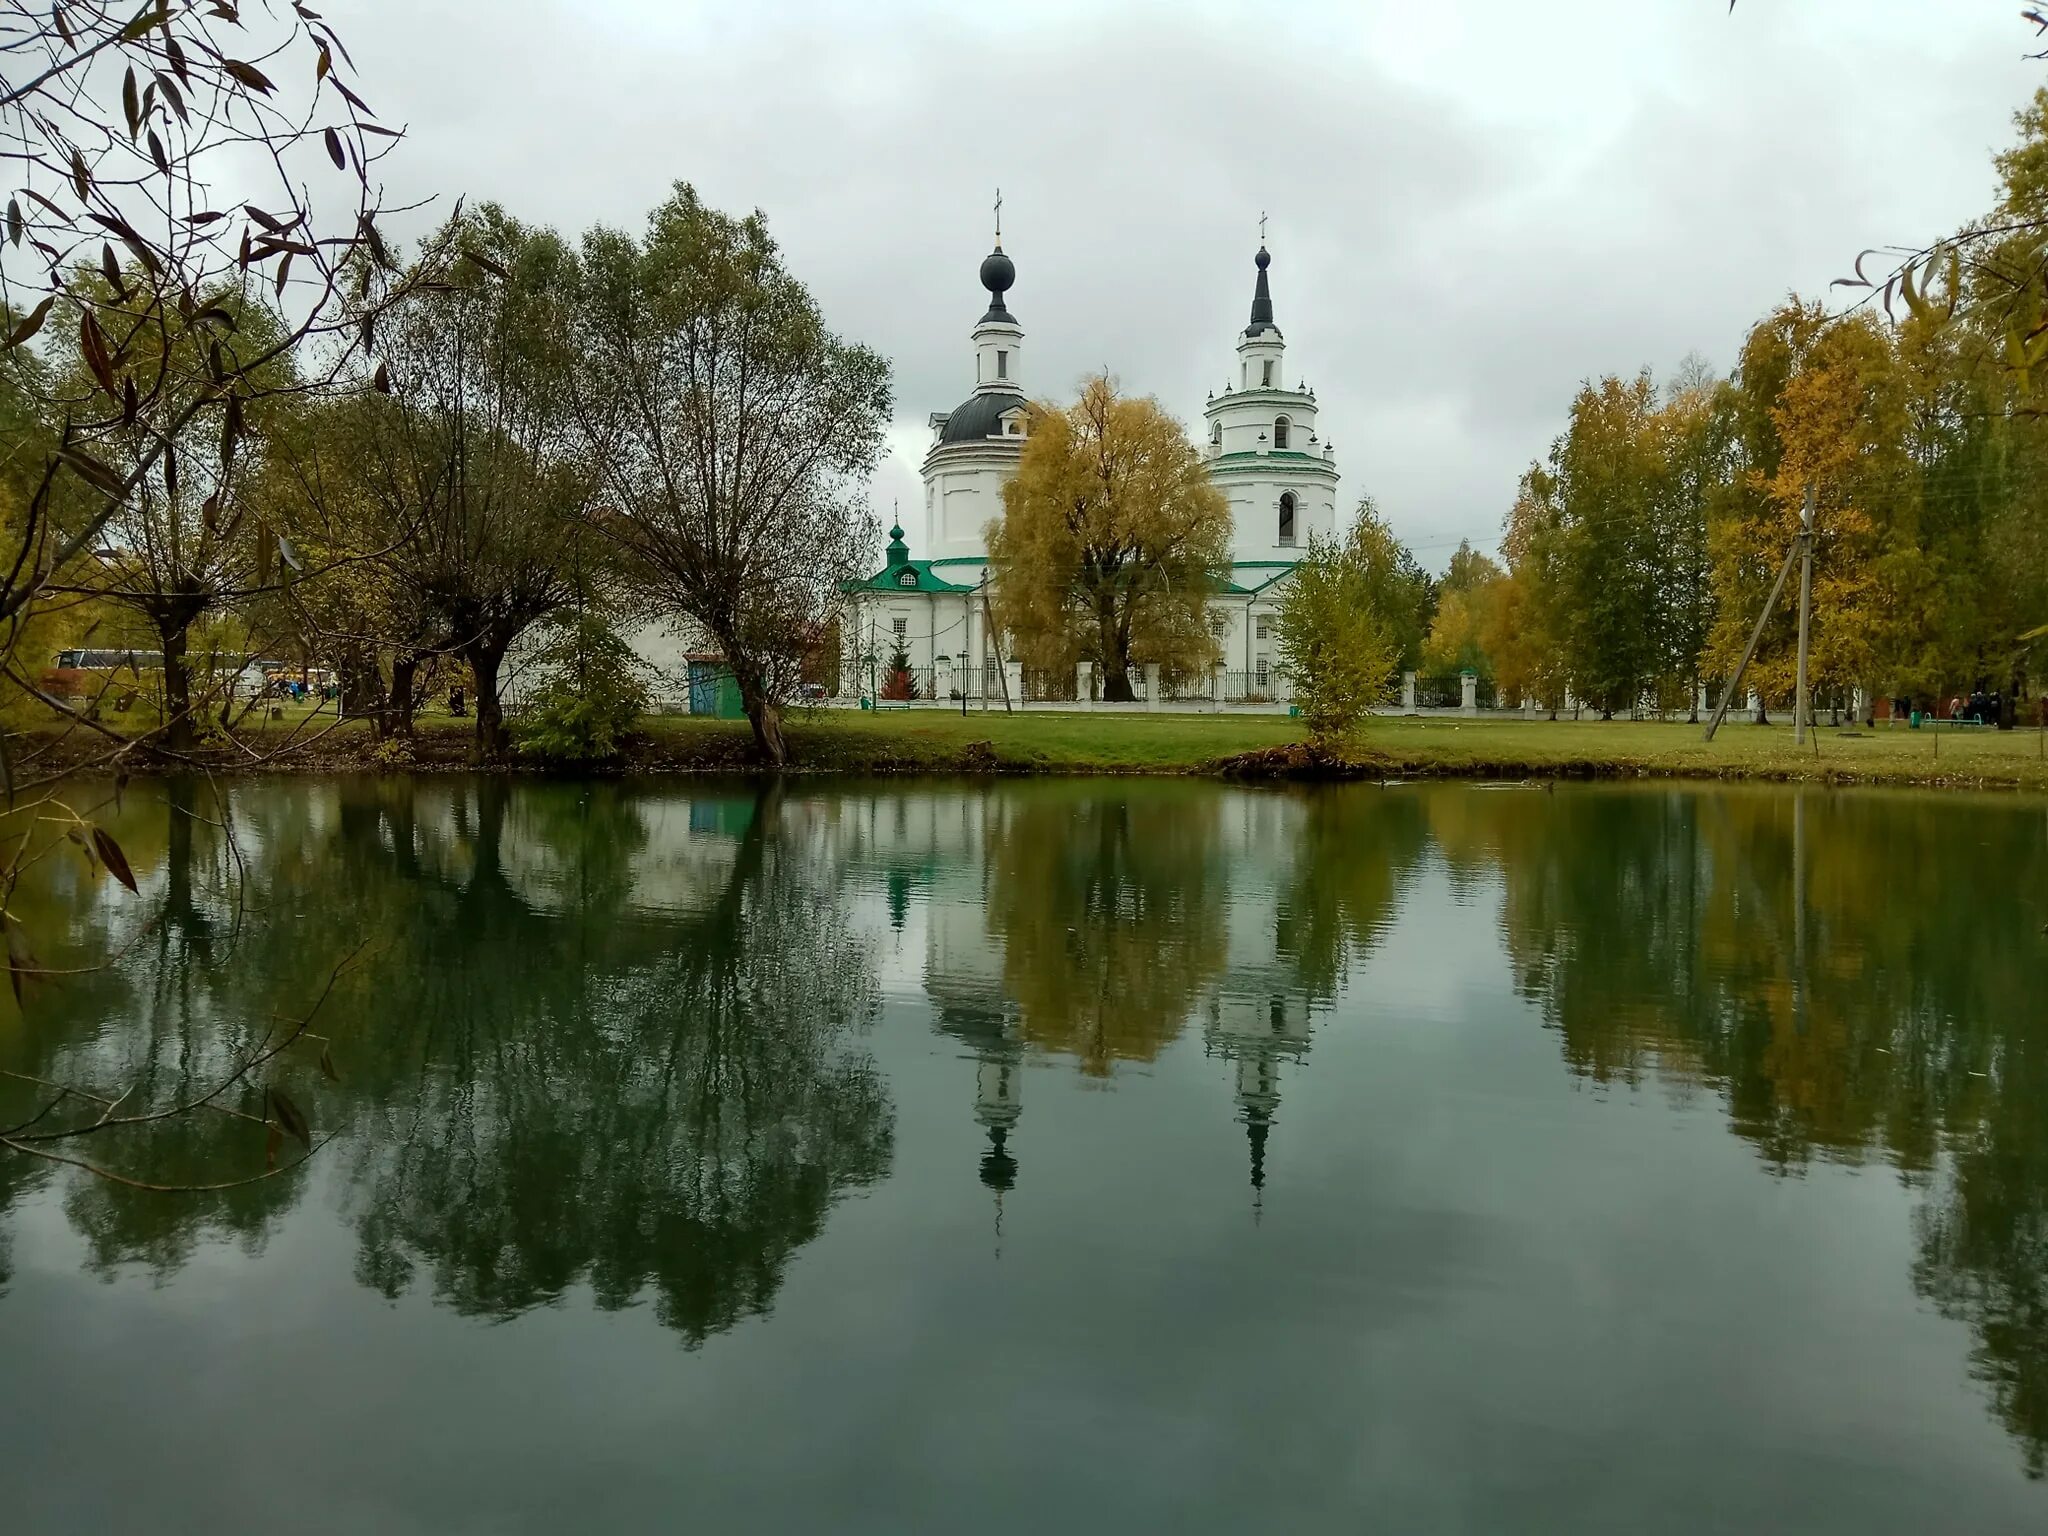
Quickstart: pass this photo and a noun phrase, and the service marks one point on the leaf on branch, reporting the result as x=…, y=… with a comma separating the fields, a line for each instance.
x=32, y=323
x=381, y=379
x=63, y=29
x=171, y=470
x=14, y=223
x=111, y=855
x=131, y=103
x=145, y=22
x=21, y=959
x=375, y=241
x=177, y=57
x=213, y=314
x=249, y=75
x=230, y=431
x=81, y=178
x=288, y=555
x=111, y=269
x=481, y=260
x=291, y=1118
x=322, y=65
x=275, y=226
x=200, y=220
x=156, y=153
x=283, y=272
x=333, y=142
x=130, y=403
x=351, y=97
x=93, y=345
x=90, y=469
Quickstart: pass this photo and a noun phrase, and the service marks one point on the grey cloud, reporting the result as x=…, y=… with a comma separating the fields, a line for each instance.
x=1471, y=211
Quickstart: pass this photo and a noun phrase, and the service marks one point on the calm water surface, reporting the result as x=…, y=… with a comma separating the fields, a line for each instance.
x=1049, y=1156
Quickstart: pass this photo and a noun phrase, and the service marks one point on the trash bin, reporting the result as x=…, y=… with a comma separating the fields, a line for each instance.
x=1913, y=722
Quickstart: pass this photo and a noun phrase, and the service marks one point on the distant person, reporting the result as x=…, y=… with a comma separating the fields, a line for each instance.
x=454, y=701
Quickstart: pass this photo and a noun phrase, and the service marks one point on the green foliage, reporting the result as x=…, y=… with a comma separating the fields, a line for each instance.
x=590, y=698
x=1341, y=626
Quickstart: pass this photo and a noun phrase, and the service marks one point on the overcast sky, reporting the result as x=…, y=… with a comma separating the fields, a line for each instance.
x=1472, y=206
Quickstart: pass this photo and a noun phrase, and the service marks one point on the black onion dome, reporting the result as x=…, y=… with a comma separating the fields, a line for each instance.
x=979, y=416
x=998, y=273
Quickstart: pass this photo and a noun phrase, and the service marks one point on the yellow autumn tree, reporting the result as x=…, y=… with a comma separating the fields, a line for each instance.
x=1112, y=540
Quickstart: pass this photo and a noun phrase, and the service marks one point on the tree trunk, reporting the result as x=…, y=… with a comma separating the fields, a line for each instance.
x=1116, y=659
x=362, y=688
x=398, y=708
x=484, y=661
x=178, y=733
x=762, y=715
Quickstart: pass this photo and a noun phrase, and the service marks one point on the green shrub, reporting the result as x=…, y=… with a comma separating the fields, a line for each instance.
x=590, y=697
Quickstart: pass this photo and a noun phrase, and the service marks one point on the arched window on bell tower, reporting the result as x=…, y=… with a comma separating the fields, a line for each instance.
x=1280, y=432
x=1287, y=518
x=1216, y=433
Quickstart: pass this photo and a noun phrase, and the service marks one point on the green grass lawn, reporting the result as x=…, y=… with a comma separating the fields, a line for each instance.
x=898, y=740
x=937, y=741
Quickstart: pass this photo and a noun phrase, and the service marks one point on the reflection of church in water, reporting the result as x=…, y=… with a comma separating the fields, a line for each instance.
x=1254, y=1013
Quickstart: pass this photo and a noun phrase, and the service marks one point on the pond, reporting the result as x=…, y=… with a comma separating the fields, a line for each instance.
x=1015, y=1156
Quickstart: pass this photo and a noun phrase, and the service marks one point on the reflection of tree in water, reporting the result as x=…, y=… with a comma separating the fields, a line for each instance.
x=1109, y=909
x=1849, y=973
x=638, y=1105
x=536, y=1093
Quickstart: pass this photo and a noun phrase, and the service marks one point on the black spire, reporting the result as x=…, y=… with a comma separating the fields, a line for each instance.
x=1262, y=299
x=1256, y=1129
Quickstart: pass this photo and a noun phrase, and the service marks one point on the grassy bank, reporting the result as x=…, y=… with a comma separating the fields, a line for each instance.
x=921, y=741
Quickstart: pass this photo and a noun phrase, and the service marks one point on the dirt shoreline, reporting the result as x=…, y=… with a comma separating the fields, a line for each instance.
x=443, y=752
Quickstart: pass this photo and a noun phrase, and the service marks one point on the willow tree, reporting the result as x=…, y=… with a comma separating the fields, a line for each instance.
x=734, y=435
x=472, y=448
x=1111, y=542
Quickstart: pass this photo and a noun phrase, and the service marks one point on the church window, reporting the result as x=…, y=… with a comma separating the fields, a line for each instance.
x=902, y=627
x=1287, y=518
x=1216, y=433
x=1262, y=672
x=1267, y=376
x=1002, y=364
x=908, y=578
x=1280, y=432
x=1265, y=627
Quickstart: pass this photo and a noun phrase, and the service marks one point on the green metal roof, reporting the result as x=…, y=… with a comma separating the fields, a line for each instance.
x=890, y=579
x=1247, y=578
x=1289, y=457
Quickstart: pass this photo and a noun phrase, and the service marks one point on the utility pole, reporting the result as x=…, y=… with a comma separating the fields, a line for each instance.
x=1756, y=634
x=1763, y=617
x=1802, y=702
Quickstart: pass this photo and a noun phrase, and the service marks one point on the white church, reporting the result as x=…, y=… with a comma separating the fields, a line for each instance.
x=1264, y=453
